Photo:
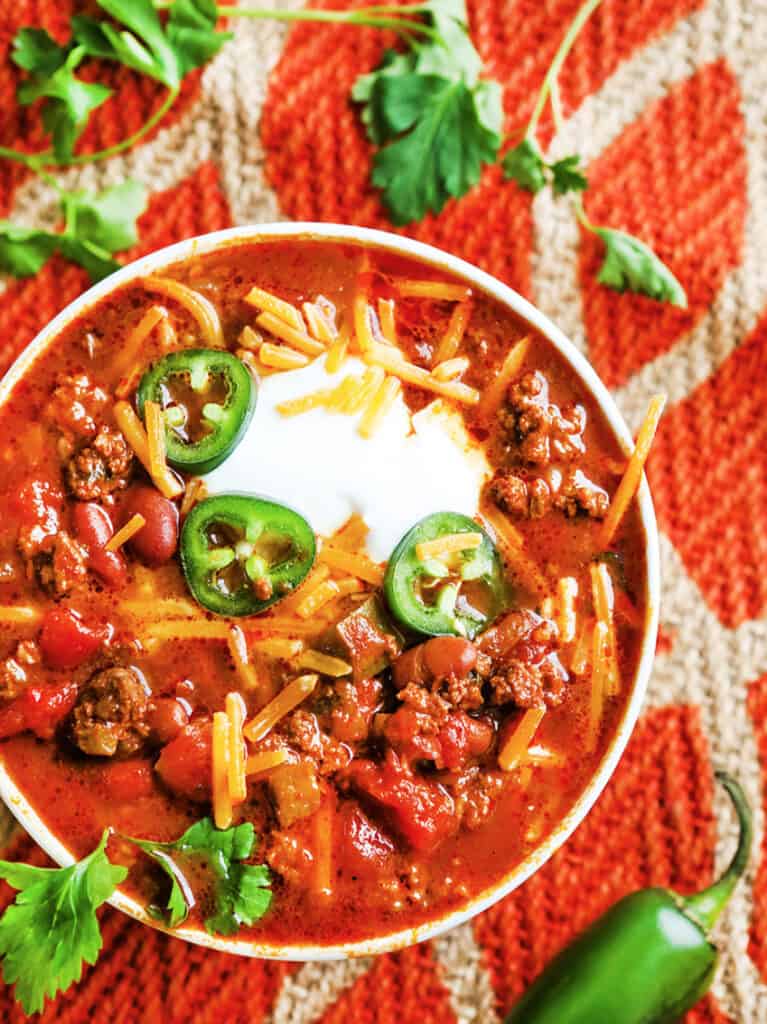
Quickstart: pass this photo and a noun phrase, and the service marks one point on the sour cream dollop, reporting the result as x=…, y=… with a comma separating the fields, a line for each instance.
x=318, y=463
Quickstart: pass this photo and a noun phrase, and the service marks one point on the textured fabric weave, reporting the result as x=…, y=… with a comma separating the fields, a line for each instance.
x=667, y=102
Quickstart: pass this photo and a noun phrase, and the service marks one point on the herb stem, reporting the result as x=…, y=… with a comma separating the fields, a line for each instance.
x=374, y=17
x=31, y=160
x=580, y=19
x=119, y=147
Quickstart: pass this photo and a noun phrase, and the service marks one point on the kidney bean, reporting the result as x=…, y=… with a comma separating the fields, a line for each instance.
x=94, y=528
x=167, y=717
x=157, y=540
x=449, y=655
x=185, y=764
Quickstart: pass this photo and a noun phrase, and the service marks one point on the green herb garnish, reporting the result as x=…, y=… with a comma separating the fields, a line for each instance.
x=241, y=891
x=51, y=930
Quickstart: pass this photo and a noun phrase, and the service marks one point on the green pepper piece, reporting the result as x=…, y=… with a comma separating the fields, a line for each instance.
x=648, y=960
x=208, y=397
x=240, y=554
x=434, y=597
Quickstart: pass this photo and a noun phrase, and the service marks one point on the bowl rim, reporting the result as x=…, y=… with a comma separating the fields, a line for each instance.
x=438, y=259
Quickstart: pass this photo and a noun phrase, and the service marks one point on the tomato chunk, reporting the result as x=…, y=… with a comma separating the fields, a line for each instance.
x=462, y=738
x=128, y=780
x=40, y=709
x=366, y=847
x=422, y=813
x=185, y=765
x=66, y=641
x=94, y=528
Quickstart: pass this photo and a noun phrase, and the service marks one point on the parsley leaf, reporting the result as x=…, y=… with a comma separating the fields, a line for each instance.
x=525, y=165
x=23, y=251
x=97, y=225
x=51, y=929
x=70, y=102
x=192, y=32
x=440, y=121
x=242, y=892
x=35, y=50
x=631, y=265
x=567, y=175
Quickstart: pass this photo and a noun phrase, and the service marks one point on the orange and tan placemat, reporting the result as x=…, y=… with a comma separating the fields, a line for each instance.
x=667, y=102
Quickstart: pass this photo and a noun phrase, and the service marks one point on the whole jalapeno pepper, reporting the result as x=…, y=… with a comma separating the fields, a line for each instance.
x=435, y=586
x=648, y=960
x=208, y=397
x=240, y=554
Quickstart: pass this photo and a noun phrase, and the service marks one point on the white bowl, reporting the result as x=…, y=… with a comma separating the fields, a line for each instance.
x=158, y=261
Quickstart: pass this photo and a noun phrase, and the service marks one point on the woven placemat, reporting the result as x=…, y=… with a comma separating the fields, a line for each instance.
x=667, y=101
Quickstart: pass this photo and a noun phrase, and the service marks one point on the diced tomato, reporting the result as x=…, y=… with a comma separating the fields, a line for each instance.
x=94, y=528
x=66, y=641
x=128, y=780
x=413, y=736
x=463, y=737
x=185, y=765
x=39, y=502
x=421, y=812
x=366, y=847
x=40, y=709
x=351, y=718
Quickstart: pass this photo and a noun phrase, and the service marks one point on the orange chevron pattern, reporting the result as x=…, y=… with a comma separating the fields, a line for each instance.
x=669, y=99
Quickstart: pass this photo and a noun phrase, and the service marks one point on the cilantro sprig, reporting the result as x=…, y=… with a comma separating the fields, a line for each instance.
x=433, y=117
x=629, y=264
x=241, y=891
x=51, y=930
x=96, y=225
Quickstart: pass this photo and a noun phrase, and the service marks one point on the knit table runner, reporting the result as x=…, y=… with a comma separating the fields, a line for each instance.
x=667, y=102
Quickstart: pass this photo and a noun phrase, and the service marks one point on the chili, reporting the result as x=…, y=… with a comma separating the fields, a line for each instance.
x=648, y=960
x=208, y=397
x=461, y=594
x=241, y=554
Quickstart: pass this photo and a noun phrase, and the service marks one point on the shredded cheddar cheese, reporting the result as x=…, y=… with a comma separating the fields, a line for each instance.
x=235, y=711
x=352, y=562
x=317, y=661
x=131, y=426
x=299, y=340
x=514, y=749
x=453, y=336
x=124, y=534
x=221, y=743
x=264, y=761
x=379, y=405
x=438, y=290
x=447, y=545
x=269, y=303
x=494, y=392
x=200, y=308
x=293, y=694
x=281, y=357
x=393, y=361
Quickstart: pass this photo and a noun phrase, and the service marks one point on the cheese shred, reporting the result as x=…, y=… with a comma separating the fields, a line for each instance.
x=222, y=802
x=235, y=711
x=133, y=429
x=293, y=694
x=124, y=534
x=514, y=750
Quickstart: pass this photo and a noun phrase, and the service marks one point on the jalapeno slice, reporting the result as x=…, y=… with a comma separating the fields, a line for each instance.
x=208, y=397
x=240, y=554
x=459, y=591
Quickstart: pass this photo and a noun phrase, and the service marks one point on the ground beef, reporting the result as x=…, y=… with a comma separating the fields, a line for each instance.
x=531, y=497
x=76, y=406
x=288, y=857
x=60, y=564
x=523, y=666
x=529, y=684
x=476, y=795
x=539, y=430
x=304, y=734
x=99, y=469
x=464, y=692
x=426, y=702
x=110, y=717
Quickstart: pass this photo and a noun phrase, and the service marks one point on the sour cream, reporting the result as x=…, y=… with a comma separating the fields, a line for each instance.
x=318, y=463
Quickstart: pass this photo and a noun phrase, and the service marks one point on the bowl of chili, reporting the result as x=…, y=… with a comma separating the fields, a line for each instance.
x=482, y=622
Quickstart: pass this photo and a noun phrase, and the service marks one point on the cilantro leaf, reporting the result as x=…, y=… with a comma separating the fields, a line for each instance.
x=455, y=56
x=448, y=136
x=242, y=892
x=525, y=165
x=192, y=32
x=97, y=225
x=631, y=265
x=108, y=218
x=51, y=929
x=23, y=251
x=367, y=90
x=567, y=175
x=35, y=50
x=70, y=101
x=142, y=44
